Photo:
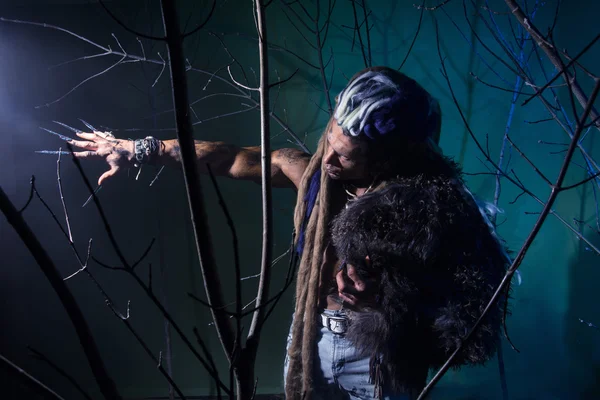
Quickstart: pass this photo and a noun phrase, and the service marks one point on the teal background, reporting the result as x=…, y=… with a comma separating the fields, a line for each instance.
x=559, y=356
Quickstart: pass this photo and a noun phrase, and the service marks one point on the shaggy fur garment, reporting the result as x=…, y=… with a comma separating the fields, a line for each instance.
x=437, y=264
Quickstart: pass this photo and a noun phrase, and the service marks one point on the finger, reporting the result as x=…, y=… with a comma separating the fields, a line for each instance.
x=111, y=172
x=358, y=283
x=344, y=286
x=104, y=135
x=87, y=136
x=84, y=145
x=85, y=154
x=340, y=281
x=347, y=298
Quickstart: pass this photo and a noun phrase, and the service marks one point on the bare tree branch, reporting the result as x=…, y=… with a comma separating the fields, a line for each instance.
x=127, y=28
x=267, y=205
x=28, y=379
x=105, y=383
x=203, y=23
x=432, y=8
x=62, y=197
x=39, y=355
x=553, y=54
x=556, y=189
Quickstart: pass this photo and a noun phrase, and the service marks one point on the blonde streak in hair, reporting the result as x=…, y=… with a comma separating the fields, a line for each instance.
x=342, y=105
x=362, y=111
x=367, y=106
x=376, y=98
x=348, y=122
x=386, y=81
x=359, y=113
x=342, y=114
x=347, y=95
x=369, y=109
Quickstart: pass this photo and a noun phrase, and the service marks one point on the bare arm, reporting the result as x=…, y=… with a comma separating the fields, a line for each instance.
x=287, y=165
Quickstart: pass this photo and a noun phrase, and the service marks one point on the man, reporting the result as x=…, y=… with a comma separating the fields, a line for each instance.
x=384, y=132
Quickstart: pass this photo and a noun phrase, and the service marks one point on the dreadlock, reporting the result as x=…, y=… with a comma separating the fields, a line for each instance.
x=390, y=112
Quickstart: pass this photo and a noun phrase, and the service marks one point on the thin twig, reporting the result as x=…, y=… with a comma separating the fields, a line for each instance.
x=433, y=8
x=28, y=379
x=240, y=84
x=267, y=206
x=39, y=355
x=553, y=55
x=31, y=187
x=536, y=169
x=203, y=23
x=161, y=369
x=125, y=264
x=106, y=384
x=109, y=51
x=204, y=245
x=520, y=256
x=367, y=30
x=127, y=28
x=84, y=264
x=357, y=31
x=144, y=254
x=236, y=252
x=161, y=70
x=412, y=44
x=62, y=197
x=83, y=82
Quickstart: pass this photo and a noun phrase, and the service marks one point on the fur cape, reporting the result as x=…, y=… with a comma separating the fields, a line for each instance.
x=437, y=262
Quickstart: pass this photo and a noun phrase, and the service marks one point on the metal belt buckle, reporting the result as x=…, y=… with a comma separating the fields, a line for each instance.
x=337, y=325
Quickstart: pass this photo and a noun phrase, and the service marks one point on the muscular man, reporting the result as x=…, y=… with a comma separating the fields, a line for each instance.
x=383, y=135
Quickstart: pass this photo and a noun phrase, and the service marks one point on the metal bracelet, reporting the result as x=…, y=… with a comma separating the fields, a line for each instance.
x=145, y=150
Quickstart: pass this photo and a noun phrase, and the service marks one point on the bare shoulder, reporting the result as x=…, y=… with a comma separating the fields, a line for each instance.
x=292, y=163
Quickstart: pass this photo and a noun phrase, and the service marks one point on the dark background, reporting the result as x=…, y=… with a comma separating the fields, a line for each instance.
x=559, y=356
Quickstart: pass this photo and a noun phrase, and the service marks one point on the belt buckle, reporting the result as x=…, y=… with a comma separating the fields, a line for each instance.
x=338, y=325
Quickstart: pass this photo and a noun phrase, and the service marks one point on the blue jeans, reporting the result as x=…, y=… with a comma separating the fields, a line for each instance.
x=342, y=373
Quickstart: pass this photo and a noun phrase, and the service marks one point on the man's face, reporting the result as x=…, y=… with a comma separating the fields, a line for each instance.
x=344, y=158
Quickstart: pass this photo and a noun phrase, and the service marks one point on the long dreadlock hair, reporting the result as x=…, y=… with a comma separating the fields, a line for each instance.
x=394, y=116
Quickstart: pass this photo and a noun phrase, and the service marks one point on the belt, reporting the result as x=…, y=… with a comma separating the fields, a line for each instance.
x=338, y=325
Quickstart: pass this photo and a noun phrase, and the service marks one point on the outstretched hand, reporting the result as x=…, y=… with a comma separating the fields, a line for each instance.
x=118, y=153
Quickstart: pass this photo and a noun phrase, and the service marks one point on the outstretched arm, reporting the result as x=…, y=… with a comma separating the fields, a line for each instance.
x=287, y=165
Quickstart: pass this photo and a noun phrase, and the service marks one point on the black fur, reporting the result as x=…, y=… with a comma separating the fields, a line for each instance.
x=437, y=263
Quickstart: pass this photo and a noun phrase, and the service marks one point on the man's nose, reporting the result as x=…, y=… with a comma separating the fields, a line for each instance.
x=329, y=158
